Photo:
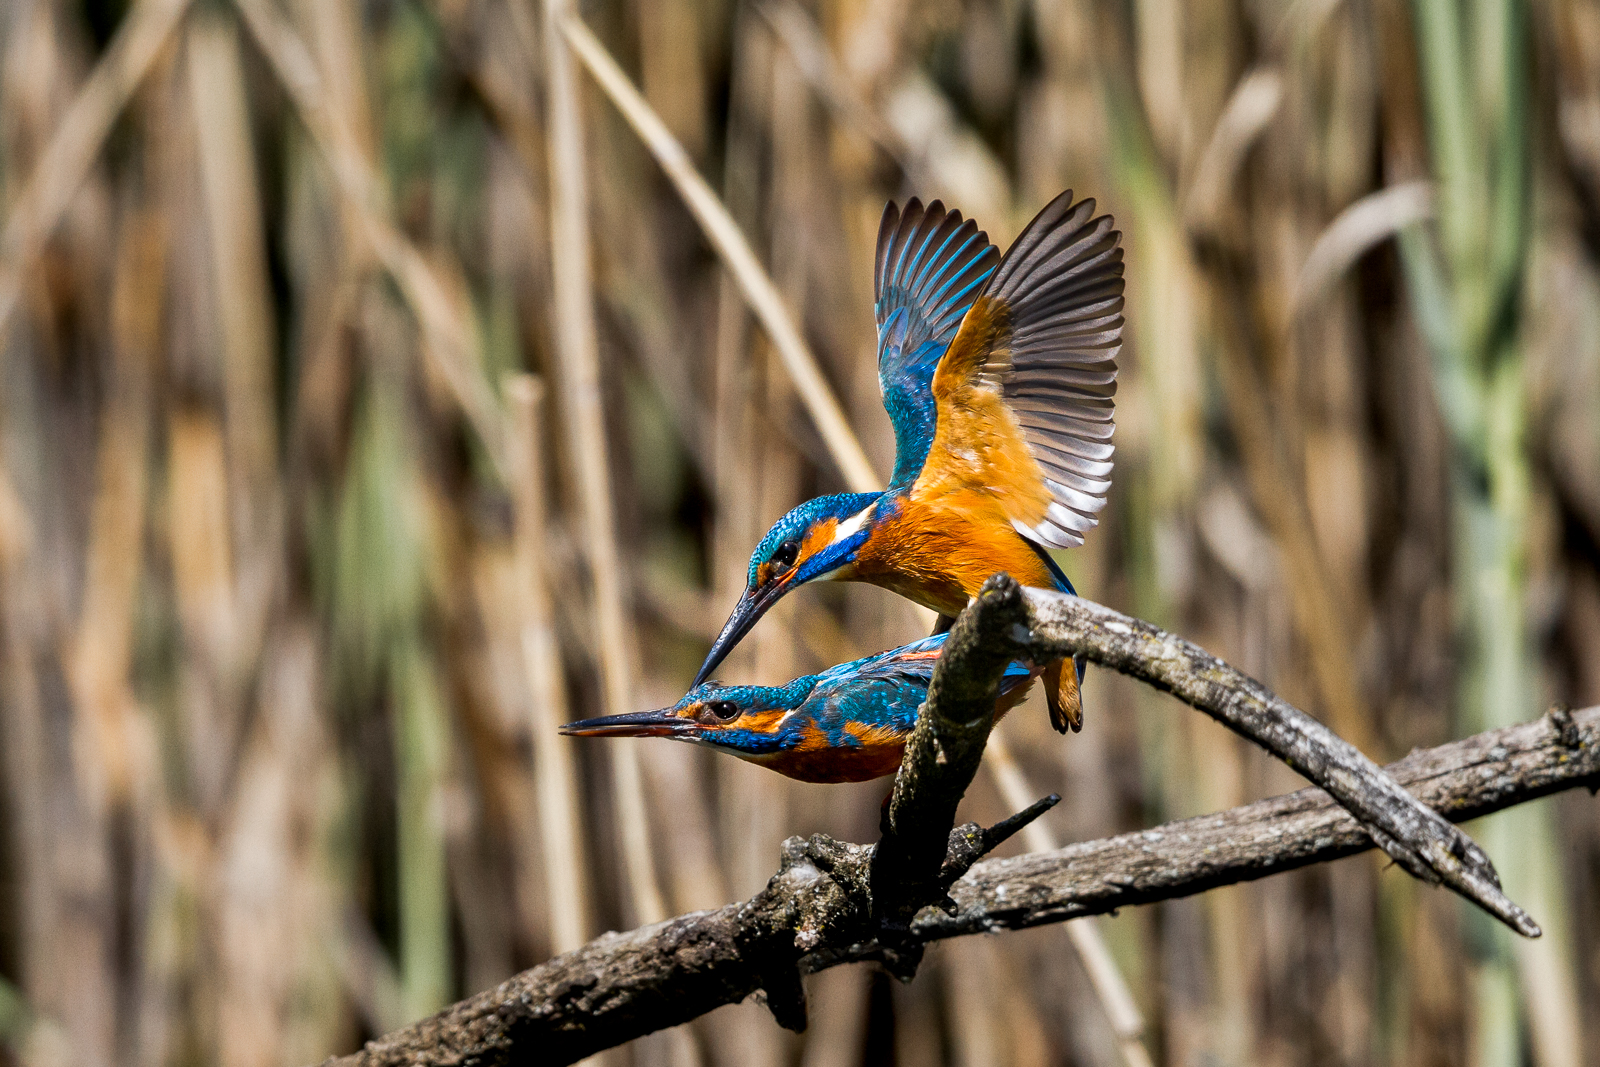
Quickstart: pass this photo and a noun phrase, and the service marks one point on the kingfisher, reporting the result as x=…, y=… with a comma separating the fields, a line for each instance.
x=998, y=374
x=848, y=724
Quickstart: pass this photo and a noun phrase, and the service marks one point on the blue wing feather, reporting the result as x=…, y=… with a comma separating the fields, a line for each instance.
x=876, y=701
x=914, y=661
x=930, y=267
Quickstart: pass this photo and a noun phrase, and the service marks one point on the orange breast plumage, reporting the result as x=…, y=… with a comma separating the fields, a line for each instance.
x=939, y=551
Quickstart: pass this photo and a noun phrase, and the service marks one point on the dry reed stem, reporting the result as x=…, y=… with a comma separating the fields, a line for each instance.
x=732, y=369
x=447, y=327
x=62, y=166
x=16, y=525
x=1251, y=108
x=238, y=249
x=102, y=648
x=1105, y=978
x=555, y=767
x=243, y=341
x=803, y=40
x=579, y=356
x=730, y=243
x=1357, y=230
x=1319, y=609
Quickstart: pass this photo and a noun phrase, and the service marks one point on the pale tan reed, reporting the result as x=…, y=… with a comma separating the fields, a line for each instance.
x=1111, y=989
x=730, y=243
x=580, y=379
x=62, y=166
x=555, y=770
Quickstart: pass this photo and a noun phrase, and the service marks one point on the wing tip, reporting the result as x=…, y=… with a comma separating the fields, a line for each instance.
x=1061, y=212
x=1048, y=535
x=886, y=228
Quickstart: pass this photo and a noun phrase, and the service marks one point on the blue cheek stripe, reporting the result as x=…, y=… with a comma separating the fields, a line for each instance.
x=831, y=556
x=749, y=742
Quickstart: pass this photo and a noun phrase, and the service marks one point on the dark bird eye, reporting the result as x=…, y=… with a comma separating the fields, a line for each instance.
x=724, y=710
x=785, y=556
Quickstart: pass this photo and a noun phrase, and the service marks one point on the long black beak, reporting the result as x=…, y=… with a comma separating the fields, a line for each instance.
x=663, y=723
x=751, y=606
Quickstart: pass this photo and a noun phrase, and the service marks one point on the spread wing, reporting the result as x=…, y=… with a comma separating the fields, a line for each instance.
x=1023, y=394
x=930, y=266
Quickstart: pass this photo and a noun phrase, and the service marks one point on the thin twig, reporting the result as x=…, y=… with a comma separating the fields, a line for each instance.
x=623, y=985
x=729, y=241
x=580, y=363
x=59, y=172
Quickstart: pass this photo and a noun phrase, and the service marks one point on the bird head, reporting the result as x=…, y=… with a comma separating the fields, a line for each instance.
x=817, y=540
x=746, y=720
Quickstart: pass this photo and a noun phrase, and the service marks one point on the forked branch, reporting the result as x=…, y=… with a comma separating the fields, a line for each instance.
x=833, y=902
x=1416, y=838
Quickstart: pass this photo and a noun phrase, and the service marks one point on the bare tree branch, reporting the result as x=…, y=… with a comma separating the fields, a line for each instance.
x=621, y=986
x=833, y=902
x=1462, y=780
x=1416, y=838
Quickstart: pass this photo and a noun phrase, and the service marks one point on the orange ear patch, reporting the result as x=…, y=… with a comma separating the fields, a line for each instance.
x=977, y=443
x=818, y=537
x=756, y=722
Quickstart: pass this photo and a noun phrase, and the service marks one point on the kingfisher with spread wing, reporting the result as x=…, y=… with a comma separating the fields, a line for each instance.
x=998, y=373
x=848, y=724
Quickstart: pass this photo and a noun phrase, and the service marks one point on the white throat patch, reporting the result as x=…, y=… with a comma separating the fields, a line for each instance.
x=846, y=529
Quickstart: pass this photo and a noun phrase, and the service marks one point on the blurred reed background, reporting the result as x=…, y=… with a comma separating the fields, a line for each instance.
x=297, y=563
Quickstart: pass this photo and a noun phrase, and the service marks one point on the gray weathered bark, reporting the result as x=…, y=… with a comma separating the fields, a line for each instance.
x=1416, y=838
x=833, y=902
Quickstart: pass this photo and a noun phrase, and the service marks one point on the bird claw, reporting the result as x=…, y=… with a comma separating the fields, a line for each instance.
x=902, y=962
x=785, y=997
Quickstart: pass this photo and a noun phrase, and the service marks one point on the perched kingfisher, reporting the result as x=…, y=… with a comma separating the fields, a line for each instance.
x=848, y=724
x=998, y=374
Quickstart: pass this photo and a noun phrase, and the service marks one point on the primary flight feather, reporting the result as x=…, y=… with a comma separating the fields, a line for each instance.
x=998, y=374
